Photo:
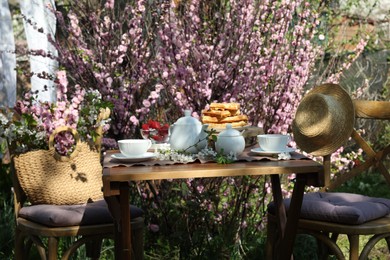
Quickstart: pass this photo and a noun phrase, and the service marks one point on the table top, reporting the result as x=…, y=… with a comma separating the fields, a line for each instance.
x=211, y=169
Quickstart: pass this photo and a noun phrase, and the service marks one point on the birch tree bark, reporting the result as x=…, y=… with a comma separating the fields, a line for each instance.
x=41, y=18
x=7, y=58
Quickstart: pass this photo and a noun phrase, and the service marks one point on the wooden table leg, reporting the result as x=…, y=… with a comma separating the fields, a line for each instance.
x=125, y=220
x=280, y=210
x=288, y=226
x=119, y=207
x=114, y=207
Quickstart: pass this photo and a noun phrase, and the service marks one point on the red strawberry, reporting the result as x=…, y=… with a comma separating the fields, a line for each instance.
x=158, y=138
x=154, y=124
x=165, y=127
x=145, y=126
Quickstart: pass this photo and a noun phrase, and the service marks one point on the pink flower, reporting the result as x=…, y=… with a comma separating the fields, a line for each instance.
x=61, y=75
x=134, y=120
x=109, y=4
x=146, y=103
x=154, y=228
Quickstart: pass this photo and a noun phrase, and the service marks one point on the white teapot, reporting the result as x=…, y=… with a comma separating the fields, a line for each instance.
x=230, y=141
x=188, y=134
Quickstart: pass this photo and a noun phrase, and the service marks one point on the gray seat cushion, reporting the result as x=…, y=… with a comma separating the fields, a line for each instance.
x=72, y=215
x=338, y=207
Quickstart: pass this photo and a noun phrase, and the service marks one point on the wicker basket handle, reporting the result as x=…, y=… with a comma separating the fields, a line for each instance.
x=63, y=158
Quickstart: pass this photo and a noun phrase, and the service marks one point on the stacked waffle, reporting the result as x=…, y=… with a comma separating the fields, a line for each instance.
x=221, y=114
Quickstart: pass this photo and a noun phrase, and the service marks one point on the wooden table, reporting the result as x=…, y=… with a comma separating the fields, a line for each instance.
x=116, y=191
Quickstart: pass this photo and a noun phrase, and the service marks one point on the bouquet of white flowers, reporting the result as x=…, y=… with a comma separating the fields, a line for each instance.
x=30, y=123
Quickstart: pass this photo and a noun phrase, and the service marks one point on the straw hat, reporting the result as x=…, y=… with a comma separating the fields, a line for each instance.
x=324, y=120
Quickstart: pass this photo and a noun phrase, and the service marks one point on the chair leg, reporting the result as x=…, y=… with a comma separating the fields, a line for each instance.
x=93, y=248
x=19, y=245
x=137, y=240
x=92, y=245
x=52, y=247
x=353, y=247
x=39, y=246
x=324, y=238
x=24, y=243
x=323, y=250
x=271, y=239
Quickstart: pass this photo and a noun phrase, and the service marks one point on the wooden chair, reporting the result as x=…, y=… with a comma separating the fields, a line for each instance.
x=327, y=231
x=34, y=222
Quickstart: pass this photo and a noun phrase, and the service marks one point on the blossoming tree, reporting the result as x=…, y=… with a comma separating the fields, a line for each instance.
x=258, y=53
x=186, y=54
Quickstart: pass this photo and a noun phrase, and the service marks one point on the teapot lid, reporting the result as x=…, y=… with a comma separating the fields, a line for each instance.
x=187, y=119
x=229, y=132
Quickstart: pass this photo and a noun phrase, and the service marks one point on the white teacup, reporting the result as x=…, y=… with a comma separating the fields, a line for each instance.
x=134, y=147
x=273, y=142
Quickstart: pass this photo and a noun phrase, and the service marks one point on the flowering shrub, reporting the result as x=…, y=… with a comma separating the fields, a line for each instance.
x=112, y=53
x=185, y=54
x=258, y=53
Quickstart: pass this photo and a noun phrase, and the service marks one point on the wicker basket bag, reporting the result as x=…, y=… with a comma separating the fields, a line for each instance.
x=48, y=178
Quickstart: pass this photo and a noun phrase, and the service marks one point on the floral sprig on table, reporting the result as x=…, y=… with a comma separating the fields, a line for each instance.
x=209, y=154
x=284, y=156
x=206, y=154
x=167, y=154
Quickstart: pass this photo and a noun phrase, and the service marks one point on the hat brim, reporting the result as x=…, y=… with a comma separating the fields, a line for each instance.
x=340, y=132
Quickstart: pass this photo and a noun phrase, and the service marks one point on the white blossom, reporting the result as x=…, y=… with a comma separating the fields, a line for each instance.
x=284, y=156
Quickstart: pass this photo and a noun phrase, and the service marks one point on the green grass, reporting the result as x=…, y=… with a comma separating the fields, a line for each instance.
x=379, y=252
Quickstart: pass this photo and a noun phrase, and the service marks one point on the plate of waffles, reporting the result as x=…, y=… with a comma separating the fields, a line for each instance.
x=219, y=115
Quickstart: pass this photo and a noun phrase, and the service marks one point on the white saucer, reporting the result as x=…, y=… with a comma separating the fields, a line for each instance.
x=137, y=158
x=258, y=150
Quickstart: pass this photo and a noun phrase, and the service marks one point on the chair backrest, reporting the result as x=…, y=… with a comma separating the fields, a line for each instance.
x=28, y=187
x=366, y=109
